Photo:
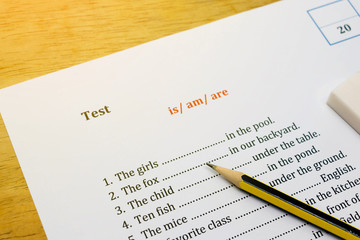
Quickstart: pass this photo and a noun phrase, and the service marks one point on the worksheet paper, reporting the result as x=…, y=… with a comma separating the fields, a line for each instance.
x=115, y=148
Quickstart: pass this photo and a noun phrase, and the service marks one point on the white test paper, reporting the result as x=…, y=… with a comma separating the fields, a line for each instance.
x=247, y=92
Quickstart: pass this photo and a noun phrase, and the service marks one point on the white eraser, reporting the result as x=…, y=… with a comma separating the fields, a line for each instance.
x=345, y=100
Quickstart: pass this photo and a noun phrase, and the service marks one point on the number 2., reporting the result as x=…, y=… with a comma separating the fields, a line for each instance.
x=344, y=29
x=113, y=197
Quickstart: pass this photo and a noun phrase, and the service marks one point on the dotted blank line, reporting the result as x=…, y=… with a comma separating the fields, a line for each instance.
x=193, y=184
x=218, y=208
x=206, y=179
x=258, y=226
x=196, y=151
x=241, y=165
x=192, y=168
x=300, y=191
x=255, y=210
x=266, y=205
x=207, y=195
x=259, y=174
x=287, y=232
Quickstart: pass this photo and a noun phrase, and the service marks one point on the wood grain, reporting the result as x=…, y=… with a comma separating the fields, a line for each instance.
x=40, y=36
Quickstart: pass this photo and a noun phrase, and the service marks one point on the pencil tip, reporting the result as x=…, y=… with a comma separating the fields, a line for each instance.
x=210, y=165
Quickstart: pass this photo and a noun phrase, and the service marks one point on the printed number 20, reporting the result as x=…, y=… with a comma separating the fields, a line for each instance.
x=344, y=29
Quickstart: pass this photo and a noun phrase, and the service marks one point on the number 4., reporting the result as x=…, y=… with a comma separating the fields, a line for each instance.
x=126, y=225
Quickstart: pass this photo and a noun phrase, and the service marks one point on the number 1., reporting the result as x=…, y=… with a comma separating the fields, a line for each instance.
x=106, y=182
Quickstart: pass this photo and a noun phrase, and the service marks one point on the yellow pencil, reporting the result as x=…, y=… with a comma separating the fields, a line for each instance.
x=289, y=204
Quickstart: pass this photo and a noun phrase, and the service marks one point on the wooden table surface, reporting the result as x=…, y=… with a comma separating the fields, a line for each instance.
x=40, y=36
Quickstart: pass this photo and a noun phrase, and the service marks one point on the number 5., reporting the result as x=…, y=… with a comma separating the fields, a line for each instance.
x=344, y=29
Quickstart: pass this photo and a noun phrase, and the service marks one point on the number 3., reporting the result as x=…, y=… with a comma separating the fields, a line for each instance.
x=344, y=29
x=118, y=210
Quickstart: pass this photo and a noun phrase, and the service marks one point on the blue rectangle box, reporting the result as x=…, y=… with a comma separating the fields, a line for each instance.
x=337, y=21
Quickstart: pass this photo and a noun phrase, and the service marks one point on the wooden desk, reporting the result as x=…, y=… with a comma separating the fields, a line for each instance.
x=40, y=36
